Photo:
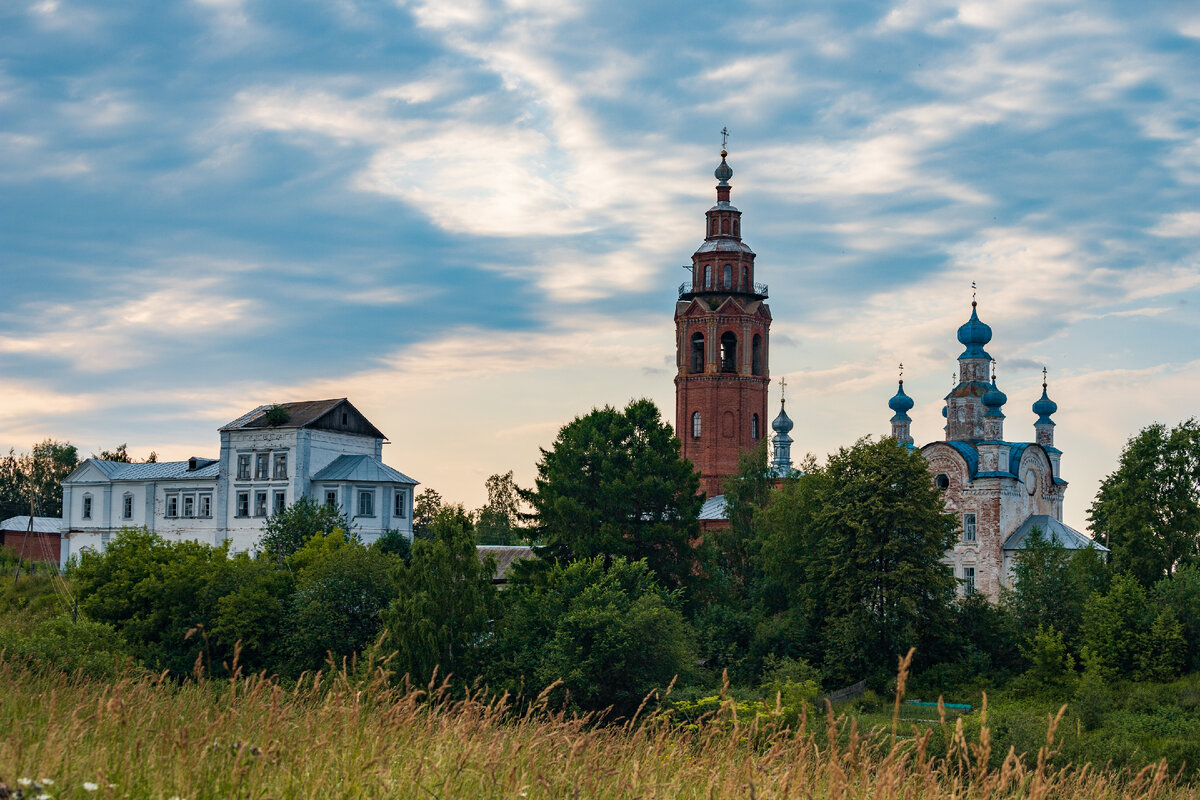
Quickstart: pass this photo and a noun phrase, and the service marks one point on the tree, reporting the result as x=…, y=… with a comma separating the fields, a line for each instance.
x=1148, y=510
x=855, y=551
x=341, y=590
x=1180, y=594
x=444, y=602
x=614, y=486
x=607, y=630
x=286, y=531
x=36, y=477
x=1052, y=585
x=497, y=522
x=1115, y=626
x=121, y=454
x=426, y=505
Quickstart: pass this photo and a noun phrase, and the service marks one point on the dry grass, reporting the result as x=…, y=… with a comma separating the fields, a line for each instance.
x=337, y=736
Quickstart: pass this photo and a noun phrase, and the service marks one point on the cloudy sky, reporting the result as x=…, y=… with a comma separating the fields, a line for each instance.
x=469, y=216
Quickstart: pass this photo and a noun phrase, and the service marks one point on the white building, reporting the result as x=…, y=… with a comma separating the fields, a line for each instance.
x=270, y=457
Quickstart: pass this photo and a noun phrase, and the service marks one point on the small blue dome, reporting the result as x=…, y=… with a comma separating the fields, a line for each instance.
x=783, y=423
x=901, y=403
x=723, y=172
x=1044, y=407
x=974, y=335
x=994, y=400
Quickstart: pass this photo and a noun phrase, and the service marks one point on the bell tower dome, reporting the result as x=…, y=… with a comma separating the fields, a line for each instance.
x=721, y=328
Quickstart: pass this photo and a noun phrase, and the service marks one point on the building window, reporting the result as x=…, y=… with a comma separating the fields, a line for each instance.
x=260, y=504
x=127, y=507
x=262, y=463
x=696, y=425
x=366, y=503
x=728, y=276
x=331, y=498
x=728, y=352
x=708, y=276
x=189, y=505
x=172, y=505
x=942, y=480
x=746, y=279
x=968, y=527
x=280, y=472
x=400, y=509
x=697, y=353
x=243, y=472
x=754, y=426
x=206, y=505
x=756, y=355
x=280, y=502
x=968, y=580
x=243, y=504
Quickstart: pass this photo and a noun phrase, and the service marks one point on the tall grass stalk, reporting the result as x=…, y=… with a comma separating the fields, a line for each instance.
x=351, y=731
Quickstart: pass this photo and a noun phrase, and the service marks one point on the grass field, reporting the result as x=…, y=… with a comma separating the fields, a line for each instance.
x=337, y=735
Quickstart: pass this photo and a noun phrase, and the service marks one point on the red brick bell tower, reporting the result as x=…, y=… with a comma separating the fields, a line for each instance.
x=721, y=325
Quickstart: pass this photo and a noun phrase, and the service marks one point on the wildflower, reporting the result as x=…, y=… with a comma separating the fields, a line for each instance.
x=45, y=782
x=44, y=796
x=88, y=786
x=25, y=781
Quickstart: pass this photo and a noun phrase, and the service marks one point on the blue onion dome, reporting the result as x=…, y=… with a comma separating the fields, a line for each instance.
x=783, y=423
x=901, y=404
x=723, y=172
x=1044, y=407
x=994, y=400
x=974, y=335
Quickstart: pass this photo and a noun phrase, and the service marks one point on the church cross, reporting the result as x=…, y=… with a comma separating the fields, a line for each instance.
x=782, y=387
x=724, y=136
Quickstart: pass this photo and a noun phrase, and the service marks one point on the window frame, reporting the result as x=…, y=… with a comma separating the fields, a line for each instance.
x=279, y=466
x=260, y=503
x=242, y=508
x=262, y=466
x=171, y=506
x=399, y=505
x=278, y=501
x=243, y=466
x=754, y=427
x=204, y=506
x=970, y=527
x=85, y=512
x=968, y=580
x=331, y=498
x=127, y=505
x=369, y=496
x=697, y=424
x=189, y=499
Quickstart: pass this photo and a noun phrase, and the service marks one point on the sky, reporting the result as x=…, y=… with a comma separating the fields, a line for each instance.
x=469, y=216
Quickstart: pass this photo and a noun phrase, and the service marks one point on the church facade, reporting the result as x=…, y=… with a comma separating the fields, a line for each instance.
x=1000, y=490
x=269, y=458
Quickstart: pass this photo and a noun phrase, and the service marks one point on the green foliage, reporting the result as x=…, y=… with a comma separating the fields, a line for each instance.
x=341, y=589
x=793, y=682
x=444, y=603
x=1052, y=585
x=90, y=648
x=394, y=543
x=36, y=476
x=1051, y=665
x=497, y=523
x=1161, y=658
x=253, y=609
x=614, y=486
x=1180, y=594
x=426, y=506
x=277, y=415
x=611, y=635
x=854, y=549
x=1148, y=510
x=154, y=592
x=286, y=531
x=1115, y=626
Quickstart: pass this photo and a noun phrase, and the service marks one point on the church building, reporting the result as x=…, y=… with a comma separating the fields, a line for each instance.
x=999, y=490
x=270, y=457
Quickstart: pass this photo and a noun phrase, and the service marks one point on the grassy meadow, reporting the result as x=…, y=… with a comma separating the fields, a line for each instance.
x=352, y=732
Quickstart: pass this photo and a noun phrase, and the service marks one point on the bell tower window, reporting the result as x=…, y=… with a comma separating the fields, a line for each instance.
x=695, y=424
x=756, y=359
x=754, y=426
x=728, y=352
x=708, y=276
x=728, y=276
x=697, y=353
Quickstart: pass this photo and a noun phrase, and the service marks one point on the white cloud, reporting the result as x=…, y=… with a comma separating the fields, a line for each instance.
x=1182, y=225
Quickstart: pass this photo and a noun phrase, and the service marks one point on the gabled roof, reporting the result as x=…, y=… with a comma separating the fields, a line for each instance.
x=40, y=524
x=506, y=555
x=1053, y=531
x=323, y=414
x=151, y=471
x=361, y=469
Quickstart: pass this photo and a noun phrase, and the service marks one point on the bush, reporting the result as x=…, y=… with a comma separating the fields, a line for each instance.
x=90, y=648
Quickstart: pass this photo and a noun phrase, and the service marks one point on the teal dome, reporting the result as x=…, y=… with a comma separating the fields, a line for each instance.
x=974, y=335
x=1044, y=407
x=783, y=423
x=994, y=400
x=723, y=172
x=901, y=404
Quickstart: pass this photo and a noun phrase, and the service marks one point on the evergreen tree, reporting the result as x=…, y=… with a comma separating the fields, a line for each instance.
x=1180, y=594
x=497, y=522
x=1115, y=626
x=614, y=486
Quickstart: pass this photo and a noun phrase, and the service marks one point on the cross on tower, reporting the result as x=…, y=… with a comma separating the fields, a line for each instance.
x=724, y=137
x=973, y=291
x=782, y=387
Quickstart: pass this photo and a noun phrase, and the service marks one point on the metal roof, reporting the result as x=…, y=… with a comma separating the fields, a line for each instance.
x=1054, y=531
x=506, y=555
x=724, y=246
x=151, y=471
x=40, y=524
x=303, y=414
x=714, y=508
x=361, y=469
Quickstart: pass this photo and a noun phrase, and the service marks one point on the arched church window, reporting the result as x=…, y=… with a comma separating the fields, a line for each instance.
x=754, y=426
x=724, y=224
x=735, y=227
x=746, y=279
x=696, y=363
x=942, y=480
x=756, y=355
x=728, y=352
x=695, y=424
x=708, y=276
x=728, y=276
